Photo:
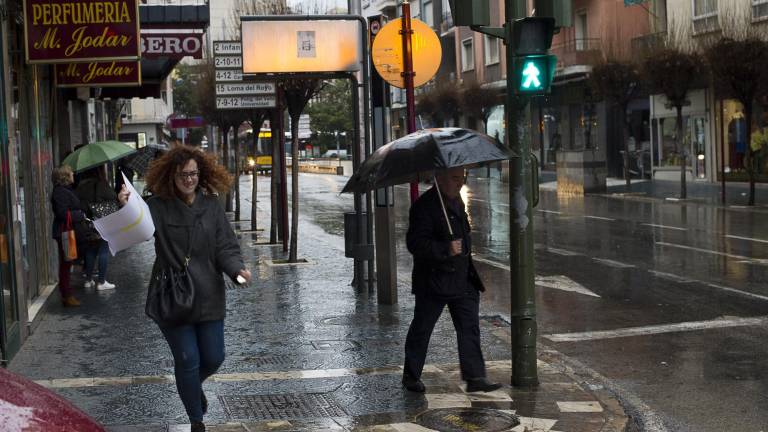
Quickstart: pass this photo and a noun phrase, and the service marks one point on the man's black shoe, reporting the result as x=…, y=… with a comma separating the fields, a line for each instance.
x=481, y=384
x=197, y=427
x=414, y=385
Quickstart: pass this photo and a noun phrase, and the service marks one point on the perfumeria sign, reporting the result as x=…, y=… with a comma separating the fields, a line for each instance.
x=81, y=30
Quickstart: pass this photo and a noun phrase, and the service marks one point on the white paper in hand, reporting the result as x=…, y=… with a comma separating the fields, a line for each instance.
x=128, y=226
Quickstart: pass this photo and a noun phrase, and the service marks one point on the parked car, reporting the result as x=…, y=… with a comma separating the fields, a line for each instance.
x=27, y=406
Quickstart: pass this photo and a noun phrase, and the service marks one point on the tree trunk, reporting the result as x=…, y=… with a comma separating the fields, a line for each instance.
x=292, y=256
x=750, y=153
x=625, y=137
x=237, y=174
x=682, y=150
x=275, y=171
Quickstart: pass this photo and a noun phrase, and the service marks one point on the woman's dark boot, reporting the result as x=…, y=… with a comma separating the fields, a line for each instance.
x=197, y=427
x=204, y=402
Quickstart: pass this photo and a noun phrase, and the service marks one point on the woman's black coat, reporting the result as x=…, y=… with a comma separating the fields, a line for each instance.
x=215, y=249
x=63, y=198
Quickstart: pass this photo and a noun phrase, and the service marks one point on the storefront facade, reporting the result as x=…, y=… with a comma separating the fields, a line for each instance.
x=26, y=155
x=697, y=138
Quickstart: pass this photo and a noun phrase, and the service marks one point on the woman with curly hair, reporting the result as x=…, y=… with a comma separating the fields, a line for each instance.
x=191, y=227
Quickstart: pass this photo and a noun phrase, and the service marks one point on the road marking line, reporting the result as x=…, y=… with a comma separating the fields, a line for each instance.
x=563, y=252
x=735, y=291
x=746, y=238
x=664, y=226
x=549, y=211
x=599, y=218
x=490, y=262
x=613, y=263
x=258, y=376
x=746, y=259
x=671, y=276
x=657, y=329
x=560, y=282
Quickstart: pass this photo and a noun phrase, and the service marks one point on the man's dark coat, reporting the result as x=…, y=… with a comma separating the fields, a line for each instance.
x=435, y=273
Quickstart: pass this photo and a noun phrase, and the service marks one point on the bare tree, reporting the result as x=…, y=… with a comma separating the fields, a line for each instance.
x=617, y=82
x=674, y=74
x=297, y=93
x=739, y=71
x=478, y=101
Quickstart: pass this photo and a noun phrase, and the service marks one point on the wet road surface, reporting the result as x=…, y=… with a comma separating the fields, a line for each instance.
x=668, y=301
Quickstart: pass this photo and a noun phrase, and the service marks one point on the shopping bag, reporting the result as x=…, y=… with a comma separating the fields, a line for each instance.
x=68, y=240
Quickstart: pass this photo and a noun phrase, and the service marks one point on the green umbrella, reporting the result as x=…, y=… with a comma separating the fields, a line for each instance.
x=98, y=153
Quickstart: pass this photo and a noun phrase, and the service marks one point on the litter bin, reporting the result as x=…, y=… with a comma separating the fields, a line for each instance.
x=363, y=250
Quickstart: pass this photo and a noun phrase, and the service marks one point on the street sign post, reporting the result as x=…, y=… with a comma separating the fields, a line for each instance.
x=231, y=91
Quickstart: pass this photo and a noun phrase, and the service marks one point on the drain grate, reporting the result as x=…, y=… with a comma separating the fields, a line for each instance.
x=283, y=407
x=268, y=360
x=467, y=419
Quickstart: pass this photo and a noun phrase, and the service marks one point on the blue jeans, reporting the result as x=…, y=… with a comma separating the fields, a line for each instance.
x=198, y=351
x=100, y=249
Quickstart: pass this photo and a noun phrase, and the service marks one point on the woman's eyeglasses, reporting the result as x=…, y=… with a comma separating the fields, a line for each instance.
x=183, y=175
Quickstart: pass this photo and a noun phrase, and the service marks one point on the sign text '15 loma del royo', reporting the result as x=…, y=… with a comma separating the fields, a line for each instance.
x=68, y=31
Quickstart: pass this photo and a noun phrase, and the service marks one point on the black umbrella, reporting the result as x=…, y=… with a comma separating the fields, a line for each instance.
x=139, y=161
x=419, y=155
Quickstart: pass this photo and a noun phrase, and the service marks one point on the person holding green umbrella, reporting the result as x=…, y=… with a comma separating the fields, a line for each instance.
x=98, y=153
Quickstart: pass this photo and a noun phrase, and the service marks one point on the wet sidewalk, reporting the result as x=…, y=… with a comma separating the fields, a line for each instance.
x=736, y=194
x=305, y=352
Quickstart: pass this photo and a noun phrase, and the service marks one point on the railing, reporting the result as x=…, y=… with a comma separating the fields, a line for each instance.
x=446, y=22
x=577, y=52
x=649, y=43
x=147, y=111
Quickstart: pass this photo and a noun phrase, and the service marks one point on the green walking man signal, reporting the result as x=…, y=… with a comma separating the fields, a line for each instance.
x=534, y=73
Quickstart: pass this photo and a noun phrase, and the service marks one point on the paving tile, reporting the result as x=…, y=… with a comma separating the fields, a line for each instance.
x=450, y=400
x=580, y=407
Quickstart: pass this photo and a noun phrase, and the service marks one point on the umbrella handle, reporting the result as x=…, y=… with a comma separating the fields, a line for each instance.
x=442, y=205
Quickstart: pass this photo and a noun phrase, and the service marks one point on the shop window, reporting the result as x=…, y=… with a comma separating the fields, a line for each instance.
x=467, y=55
x=669, y=153
x=759, y=9
x=705, y=16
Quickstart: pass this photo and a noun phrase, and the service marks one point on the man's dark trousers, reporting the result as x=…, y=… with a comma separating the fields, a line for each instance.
x=465, y=314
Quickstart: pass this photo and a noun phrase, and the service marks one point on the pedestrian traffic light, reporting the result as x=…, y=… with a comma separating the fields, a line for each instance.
x=534, y=73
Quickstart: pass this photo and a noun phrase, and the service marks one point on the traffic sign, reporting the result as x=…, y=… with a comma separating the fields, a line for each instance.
x=229, y=75
x=227, y=47
x=245, y=88
x=245, y=102
x=234, y=62
x=387, y=53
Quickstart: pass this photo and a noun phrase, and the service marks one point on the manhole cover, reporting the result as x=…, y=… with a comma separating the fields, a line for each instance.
x=267, y=360
x=284, y=406
x=467, y=419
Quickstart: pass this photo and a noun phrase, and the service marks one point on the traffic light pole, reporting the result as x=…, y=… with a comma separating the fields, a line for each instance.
x=523, y=296
x=521, y=196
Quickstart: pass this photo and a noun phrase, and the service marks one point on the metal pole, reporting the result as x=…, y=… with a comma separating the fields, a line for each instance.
x=368, y=150
x=410, y=102
x=524, y=328
x=283, y=171
x=722, y=155
x=357, y=159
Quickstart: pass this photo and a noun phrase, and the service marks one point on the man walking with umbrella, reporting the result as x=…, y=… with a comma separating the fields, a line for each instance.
x=444, y=275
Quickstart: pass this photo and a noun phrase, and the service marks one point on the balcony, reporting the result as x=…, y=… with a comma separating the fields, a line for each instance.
x=577, y=52
x=644, y=45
